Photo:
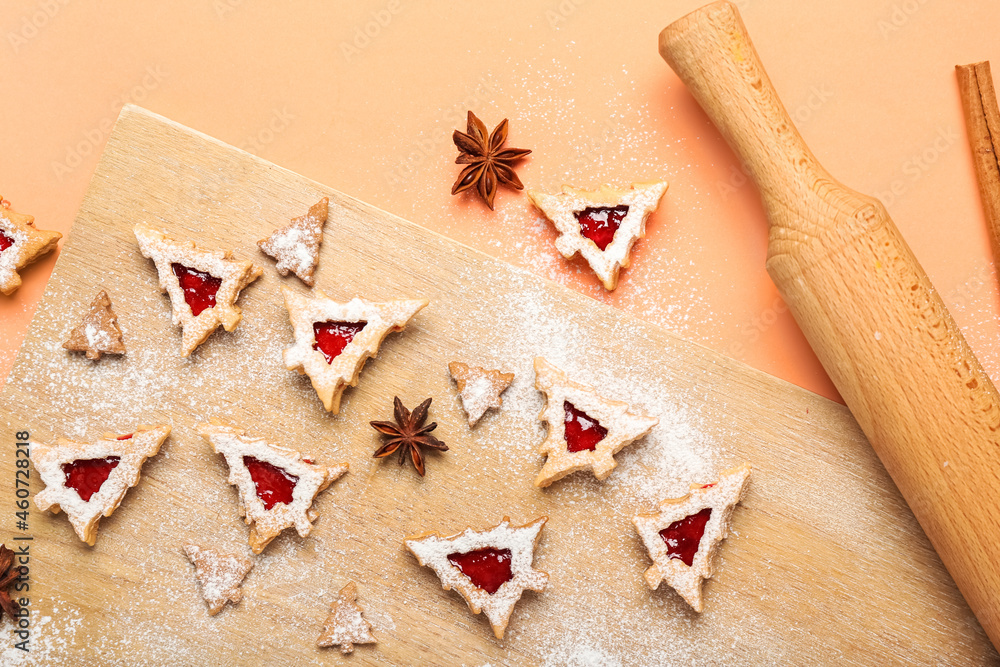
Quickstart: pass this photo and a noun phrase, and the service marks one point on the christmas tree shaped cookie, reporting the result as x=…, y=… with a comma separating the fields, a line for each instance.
x=219, y=575
x=683, y=534
x=333, y=340
x=346, y=626
x=89, y=480
x=479, y=388
x=277, y=486
x=491, y=568
x=20, y=245
x=601, y=225
x=586, y=430
x=296, y=245
x=98, y=333
x=203, y=285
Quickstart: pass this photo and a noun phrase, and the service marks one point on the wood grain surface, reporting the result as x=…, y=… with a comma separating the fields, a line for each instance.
x=825, y=564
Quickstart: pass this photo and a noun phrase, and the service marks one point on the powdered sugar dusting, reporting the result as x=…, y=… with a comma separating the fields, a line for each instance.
x=54, y=640
x=674, y=454
x=595, y=608
x=219, y=575
x=581, y=655
x=297, y=255
x=476, y=396
x=345, y=626
x=96, y=337
x=480, y=389
x=296, y=246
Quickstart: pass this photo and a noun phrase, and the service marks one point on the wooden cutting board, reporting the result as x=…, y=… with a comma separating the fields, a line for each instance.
x=825, y=563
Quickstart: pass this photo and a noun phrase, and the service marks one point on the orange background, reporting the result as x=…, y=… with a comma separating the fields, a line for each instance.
x=363, y=96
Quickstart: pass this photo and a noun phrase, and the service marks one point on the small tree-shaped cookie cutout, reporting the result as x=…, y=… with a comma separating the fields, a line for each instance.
x=586, y=430
x=491, y=568
x=682, y=534
x=203, y=285
x=346, y=626
x=334, y=339
x=98, y=333
x=219, y=575
x=88, y=480
x=296, y=245
x=602, y=225
x=20, y=244
x=277, y=486
x=479, y=388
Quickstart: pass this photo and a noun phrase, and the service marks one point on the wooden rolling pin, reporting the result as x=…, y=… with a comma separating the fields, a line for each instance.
x=866, y=307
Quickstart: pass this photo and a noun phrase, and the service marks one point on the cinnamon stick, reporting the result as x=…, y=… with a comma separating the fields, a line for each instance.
x=982, y=122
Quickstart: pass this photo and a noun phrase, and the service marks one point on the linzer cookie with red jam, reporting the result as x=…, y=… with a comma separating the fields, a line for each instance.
x=98, y=333
x=683, y=534
x=586, y=430
x=219, y=575
x=333, y=339
x=479, y=388
x=203, y=285
x=277, y=486
x=88, y=480
x=491, y=568
x=602, y=225
x=296, y=245
x=20, y=245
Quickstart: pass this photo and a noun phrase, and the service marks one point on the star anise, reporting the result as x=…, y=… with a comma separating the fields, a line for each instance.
x=408, y=434
x=8, y=574
x=488, y=164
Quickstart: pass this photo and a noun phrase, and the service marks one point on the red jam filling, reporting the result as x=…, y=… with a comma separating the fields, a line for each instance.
x=489, y=568
x=600, y=224
x=273, y=484
x=582, y=431
x=125, y=437
x=333, y=337
x=683, y=537
x=87, y=476
x=5, y=241
x=199, y=287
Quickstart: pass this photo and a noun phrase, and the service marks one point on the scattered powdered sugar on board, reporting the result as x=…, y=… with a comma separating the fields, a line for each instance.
x=219, y=575
x=476, y=396
x=580, y=655
x=596, y=609
x=380, y=621
x=672, y=456
x=624, y=140
x=118, y=393
x=97, y=338
x=52, y=640
x=293, y=248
